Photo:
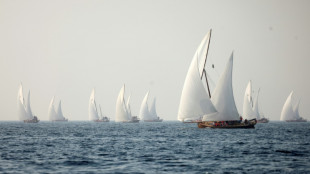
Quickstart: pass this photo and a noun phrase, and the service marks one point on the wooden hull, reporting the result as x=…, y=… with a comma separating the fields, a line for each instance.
x=226, y=125
x=196, y=121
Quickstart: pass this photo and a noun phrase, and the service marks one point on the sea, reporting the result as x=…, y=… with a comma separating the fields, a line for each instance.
x=167, y=147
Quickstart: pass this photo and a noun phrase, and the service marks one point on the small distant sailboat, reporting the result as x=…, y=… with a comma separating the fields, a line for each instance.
x=218, y=111
x=102, y=118
x=289, y=112
x=260, y=117
x=148, y=115
x=56, y=116
x=24, y=111
x=93, y=111
x=250, y=109
x=123, y=111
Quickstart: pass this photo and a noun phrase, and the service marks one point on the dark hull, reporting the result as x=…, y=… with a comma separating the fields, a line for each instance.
x=133, y=121
x=161, y=120
x=263, y=120
x=101, y=120
x=235, y=125
x=31, y=121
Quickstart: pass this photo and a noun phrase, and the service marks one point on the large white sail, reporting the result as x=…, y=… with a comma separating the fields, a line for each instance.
x=255, y=109
x=223, y=97
x=121, y=113
x=28, y=108
x=153, y=109
x=60, y=115
x=52, y=115
x=92, y=107
x=287, y=110
x=248, y=111
x=22, y=114
x=195, y=101
x=144, y=110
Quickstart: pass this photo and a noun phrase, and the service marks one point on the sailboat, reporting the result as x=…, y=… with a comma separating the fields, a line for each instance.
x=123, y=111
x=250, y=108
x=289, y=112
x=218, y=111
x=148, y=115
x=260, y=117
x=24, y=111
x=93, y=111
x=56, y=116
x=102, y=118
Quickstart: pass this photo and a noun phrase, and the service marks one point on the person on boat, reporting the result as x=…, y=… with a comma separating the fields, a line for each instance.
x=241, y=119
x=245, y=121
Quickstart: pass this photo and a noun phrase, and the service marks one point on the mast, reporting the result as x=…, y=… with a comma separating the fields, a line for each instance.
x=204, y=70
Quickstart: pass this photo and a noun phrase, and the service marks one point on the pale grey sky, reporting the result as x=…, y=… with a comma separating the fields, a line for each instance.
x=65, y=48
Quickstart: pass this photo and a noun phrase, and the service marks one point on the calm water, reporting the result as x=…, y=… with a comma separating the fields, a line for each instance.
x=168, y=147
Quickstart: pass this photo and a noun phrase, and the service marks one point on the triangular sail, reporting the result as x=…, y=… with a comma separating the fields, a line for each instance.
x=92, y=107
x=153, y=109
x=248, y=111
x=195, y=101
x=144, y=110
x=22, y=114
x=296, y=110
x=287, y=110
x=59, y=112
x=51, y=111
x=28, y=108
x=128, y=107
x=255, y=109
x=121, y=113
x=223, y=97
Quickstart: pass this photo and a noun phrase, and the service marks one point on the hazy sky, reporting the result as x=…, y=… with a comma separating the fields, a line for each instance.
x=66, y=48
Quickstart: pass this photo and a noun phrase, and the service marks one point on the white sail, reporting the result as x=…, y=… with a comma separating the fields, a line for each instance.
x=153, y=110
x=92, y=107
x=60, y=115
x=248, y=111
x=28, y=108
x=128, y=107
x=287, y=110
x=255, y=109
x=195, y=101
x=296, y=110
x=121, y=113
x=144, y=109
x=223, y=97
x=22, y=114
x=51, y=111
